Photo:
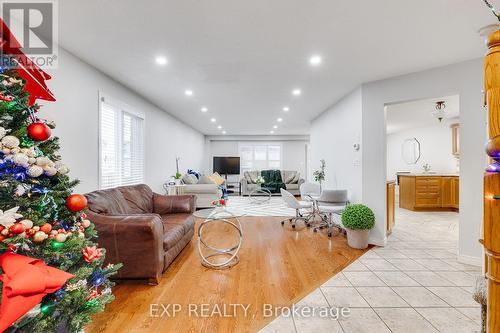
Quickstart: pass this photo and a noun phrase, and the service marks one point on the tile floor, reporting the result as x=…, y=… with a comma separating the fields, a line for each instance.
x=414, y=284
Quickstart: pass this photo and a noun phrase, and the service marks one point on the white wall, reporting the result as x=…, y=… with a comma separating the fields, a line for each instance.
x=464, y=79
x=76, y=86
x=293, y=150
x=333, y=135
x=435, y=150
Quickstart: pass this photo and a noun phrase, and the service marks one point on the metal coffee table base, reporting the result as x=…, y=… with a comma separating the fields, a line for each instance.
x=230, y=254
x=265, y=195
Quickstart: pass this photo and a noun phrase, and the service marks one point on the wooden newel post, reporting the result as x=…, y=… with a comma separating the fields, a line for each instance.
x=491, y=227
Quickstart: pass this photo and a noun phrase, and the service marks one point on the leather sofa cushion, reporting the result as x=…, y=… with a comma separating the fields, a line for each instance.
x=139, y=198
x=172, y=235
x=107, y=202
x=136, y=199
x=186, y=221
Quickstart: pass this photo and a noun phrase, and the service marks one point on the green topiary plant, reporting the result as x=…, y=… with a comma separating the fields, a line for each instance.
x=358, y=217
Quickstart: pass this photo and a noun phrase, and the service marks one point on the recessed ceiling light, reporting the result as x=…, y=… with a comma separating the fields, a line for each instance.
x=279, y=120
x=204, y=109
x=286, y=108
x=188, y=92
x=272, y=132
x=219, y=127
x=315, y=60
x=213, y=120
x=275, y=126
x=296, y=92
x=223, y=132
x=161, y=60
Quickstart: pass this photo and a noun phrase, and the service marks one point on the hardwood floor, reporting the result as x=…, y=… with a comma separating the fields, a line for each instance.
x=278, y=266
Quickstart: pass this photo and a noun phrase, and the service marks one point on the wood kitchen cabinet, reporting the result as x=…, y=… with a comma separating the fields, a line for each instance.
x=391, y=206
x=422, y=192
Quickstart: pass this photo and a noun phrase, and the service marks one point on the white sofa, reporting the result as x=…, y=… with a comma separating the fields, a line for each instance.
x=204, y=191
x=291, y=179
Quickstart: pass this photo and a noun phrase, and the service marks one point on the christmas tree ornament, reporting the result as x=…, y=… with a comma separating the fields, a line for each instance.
x=25, y=282
x=91, y=253
x=26, y=142
x=9, y=217
x=10, y=141
x=3, y=131
x=12, y=247
x=61, y=238
x=32, y=160
x=28, y=224
x=6, y=151
x=49, y=171
x=35, y=171
x=16, y=228
x=97, y=278
x=86, y=223
x=42, y=161
x=39, y=236
x=4, y=232
x=46, y=228
x=76, y=202
x=21, y=159
x=39, y=131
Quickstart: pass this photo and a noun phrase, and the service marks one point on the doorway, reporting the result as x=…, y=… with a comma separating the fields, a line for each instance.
x=423, y=160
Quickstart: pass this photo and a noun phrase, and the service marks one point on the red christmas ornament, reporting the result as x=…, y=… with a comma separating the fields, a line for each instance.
x=76, y=202
x=39, y=131
x=46, y=228
x=12, y=247
x=16, y=228
x=91, y=253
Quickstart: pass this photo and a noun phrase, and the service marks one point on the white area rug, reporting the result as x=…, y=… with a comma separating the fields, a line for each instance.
x=248, y=207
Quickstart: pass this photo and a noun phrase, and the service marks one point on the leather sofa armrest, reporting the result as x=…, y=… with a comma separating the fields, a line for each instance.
x=170, y=204
x=134, y=240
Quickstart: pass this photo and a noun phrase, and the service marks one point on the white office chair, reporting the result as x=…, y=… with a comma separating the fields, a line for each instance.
x=331, y=202
x=309, y=191
x=298, y=205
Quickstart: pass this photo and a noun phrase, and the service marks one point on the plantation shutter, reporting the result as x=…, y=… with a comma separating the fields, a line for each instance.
x=121, y=146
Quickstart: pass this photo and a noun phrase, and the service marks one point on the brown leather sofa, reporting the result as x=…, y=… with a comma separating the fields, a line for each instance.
x=143, y=230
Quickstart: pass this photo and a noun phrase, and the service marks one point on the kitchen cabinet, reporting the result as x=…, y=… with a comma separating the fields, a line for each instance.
x=424, y=192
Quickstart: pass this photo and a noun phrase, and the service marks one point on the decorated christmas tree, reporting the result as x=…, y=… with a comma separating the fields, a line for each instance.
x=51, y=268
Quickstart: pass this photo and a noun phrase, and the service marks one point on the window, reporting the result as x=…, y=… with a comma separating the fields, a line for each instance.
x=121, y=145
x=259, y=156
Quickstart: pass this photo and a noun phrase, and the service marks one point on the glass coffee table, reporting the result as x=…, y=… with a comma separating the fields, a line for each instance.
x=260, y=195
x=209, y=253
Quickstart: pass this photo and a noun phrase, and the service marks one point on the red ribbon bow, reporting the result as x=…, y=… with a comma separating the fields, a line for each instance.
x=25, y=282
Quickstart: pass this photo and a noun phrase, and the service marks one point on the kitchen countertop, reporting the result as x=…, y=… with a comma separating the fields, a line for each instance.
x=429, y=174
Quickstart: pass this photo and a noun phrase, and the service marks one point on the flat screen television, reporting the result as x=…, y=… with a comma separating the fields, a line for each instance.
x=227, y=165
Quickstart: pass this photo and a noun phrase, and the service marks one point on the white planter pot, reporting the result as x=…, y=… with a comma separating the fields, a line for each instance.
x=178, y=181
x=357, y=239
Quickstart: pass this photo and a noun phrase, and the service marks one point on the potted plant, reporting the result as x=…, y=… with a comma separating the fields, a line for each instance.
x=178, y=175
x=358, y=220
x=319, y=175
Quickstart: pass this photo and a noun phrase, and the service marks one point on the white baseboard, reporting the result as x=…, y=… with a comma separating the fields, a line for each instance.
x=377, y=241
x=468, y=260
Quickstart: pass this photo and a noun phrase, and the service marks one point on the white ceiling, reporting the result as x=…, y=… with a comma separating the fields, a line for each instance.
x=243, y=58
x=416, y=114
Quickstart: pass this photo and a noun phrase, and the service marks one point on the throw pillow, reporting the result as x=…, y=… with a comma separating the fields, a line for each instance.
x=217, y=178
x=189, y=179
x=192, y=172
x=205, y=180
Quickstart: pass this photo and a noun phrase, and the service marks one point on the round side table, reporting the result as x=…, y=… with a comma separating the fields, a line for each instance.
x=230, y=254
x=260, y=195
